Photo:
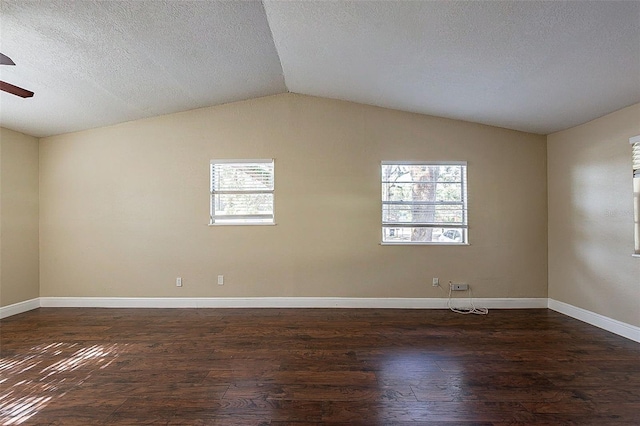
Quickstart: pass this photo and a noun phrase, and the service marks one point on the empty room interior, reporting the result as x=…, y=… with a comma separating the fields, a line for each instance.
x=309, y=212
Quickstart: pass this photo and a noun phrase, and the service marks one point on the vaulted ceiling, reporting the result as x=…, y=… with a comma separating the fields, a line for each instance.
x=534, y=66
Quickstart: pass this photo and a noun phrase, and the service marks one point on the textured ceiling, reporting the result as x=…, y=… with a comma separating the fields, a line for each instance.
x=532, y=66
x=92, y=64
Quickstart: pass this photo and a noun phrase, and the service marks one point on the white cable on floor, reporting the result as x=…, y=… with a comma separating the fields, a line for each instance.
x=471, y=309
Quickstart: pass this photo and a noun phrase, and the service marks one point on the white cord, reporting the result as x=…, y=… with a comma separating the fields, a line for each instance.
x=471, y=309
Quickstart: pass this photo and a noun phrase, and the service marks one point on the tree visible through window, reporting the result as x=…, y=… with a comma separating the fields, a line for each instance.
x=242, y=192
x=424, y=203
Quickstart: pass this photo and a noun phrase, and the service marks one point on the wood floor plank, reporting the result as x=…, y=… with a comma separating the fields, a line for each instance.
x=81, y=366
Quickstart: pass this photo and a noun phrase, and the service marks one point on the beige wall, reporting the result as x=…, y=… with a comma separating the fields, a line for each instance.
x=591, y=217
x=19, y=273
x=124, y=209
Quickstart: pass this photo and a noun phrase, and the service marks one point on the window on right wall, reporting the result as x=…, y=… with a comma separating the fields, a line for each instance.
x=635, y=156
x=424, y=203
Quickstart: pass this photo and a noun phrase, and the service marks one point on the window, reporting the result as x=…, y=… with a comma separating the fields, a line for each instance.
x=424, y=202
x=242, y=192
x=635, y=158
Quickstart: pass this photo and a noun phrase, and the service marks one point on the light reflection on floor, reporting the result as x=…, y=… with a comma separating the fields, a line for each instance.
x=415, y=370
x=37, y=390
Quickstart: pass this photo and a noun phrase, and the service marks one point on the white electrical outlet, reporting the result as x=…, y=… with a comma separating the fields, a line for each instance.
x=459, y=287
x=220, y=279
x=179, y=282
x=436, y=282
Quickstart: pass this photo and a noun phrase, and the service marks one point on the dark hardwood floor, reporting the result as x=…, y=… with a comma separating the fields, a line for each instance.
x=313, y=366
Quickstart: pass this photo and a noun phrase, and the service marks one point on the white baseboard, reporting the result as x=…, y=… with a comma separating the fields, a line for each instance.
x=20, y=307
x=281, y=302
x=508, y=303
x=614, y=326
x=241, y=302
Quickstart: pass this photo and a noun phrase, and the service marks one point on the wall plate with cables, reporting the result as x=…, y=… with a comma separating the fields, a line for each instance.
x=459, y=287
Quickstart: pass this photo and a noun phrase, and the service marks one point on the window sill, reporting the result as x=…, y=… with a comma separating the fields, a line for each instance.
x=242, y=224
x=423, y=244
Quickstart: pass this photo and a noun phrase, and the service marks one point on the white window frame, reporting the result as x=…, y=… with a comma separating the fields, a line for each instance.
x=635, y=159
x=464, y=225
x=242, y=219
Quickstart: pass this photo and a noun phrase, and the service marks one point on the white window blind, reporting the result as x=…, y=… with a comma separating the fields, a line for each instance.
x=636, y=158
x=635, y=161
x=424, y=202
x=242, y=192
